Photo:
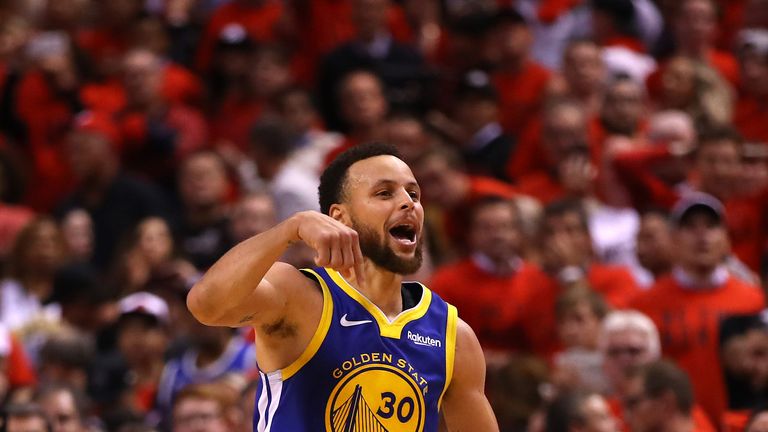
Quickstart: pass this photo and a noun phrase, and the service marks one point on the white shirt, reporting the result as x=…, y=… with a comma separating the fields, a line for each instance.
x=294, y=189
x=18, y=307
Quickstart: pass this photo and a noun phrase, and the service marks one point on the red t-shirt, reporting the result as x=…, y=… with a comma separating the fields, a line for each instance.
x=701, y=422
x=520, y=95
x=490, y=304
x=688, y=322
x=614, y=283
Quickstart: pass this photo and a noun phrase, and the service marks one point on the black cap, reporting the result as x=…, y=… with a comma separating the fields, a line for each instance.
x=476, y=84
x=234, y=36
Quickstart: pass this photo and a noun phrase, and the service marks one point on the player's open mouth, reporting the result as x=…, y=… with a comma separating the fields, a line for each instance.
x=404, y=233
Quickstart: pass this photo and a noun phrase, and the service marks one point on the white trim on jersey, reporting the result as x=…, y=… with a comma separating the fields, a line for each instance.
x=269, y=399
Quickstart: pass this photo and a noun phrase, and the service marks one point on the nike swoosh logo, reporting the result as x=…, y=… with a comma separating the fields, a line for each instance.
x=346, y=323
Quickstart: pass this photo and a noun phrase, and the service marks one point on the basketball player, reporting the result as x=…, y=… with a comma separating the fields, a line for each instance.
x=348, y=346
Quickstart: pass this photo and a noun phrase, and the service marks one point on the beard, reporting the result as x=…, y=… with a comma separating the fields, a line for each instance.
x=376, y=249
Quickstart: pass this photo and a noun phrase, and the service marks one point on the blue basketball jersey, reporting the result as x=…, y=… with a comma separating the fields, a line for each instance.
x=361, y=372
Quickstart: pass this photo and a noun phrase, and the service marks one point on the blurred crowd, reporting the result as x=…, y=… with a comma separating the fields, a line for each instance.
x=595, y=174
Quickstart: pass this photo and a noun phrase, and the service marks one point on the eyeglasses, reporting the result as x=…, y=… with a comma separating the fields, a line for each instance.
x=631, y=351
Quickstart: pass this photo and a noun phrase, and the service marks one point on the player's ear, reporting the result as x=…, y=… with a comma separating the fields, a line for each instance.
x=340, y=213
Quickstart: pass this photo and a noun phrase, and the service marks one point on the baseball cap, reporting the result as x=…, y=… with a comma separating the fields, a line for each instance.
x=145, y=303
x=476, y=84
x=697, y=201
x=234, y=35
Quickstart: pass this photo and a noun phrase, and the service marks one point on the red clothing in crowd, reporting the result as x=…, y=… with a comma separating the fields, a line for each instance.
x=259, y=21
x=521, y=95
x=745, y=216
x=47, y=116
x=701, y=422
x=233, y=120
x=749, y=118
x=153, y=145
x=614, y=283
x=490, y=304
x=457, y=219
x=688, y=320
x=20, y=371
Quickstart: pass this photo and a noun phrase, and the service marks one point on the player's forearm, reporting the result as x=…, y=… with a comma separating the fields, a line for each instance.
x=236, y=276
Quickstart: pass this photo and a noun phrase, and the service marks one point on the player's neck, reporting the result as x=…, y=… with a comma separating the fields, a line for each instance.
x=381, y=287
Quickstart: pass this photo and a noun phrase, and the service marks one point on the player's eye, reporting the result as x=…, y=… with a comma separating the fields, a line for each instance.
x=414, y=195
x=384, y=193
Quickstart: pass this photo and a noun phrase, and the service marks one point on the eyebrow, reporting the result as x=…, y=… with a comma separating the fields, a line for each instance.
x=387, y=182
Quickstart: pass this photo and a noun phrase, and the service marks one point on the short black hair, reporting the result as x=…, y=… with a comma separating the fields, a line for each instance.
x=567, y=206
x=334, y=178
x=274, y=138
x=663, y=376
x=566, y=411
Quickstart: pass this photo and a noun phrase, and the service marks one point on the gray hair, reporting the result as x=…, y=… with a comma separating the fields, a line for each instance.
x=629, y=319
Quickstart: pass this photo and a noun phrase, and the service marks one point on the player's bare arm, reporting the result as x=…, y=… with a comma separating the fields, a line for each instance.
x=465, y=407
x=248, y=287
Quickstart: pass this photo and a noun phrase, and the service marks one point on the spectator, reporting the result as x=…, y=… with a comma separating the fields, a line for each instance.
x=519, y=80
x=213, y=353
x=258, y=18
x=228, y=89
x=203, y=187
x=582, y=76
x=409, y=134
x=743, y=350
x=579, y=411
x=157, y=133
x=484, y=285
x=628, y=341
x=557, y=157
x=205, y=408
x=654, y=247
x=294, y=189
x=566, y=259
x=753, y=87
x=151, y=251
x=663, y=400
x=699, y=281
x=86, y=302
x=579, y=312
x=400, y=67
x=695, y=25
x=116, y=201
x=696, y=89
x=64, y=406
x=252, y=214
x=65, y=358
x=446, y=185
x=37, y=254
x=295, y=107
x=485, y=146
x=142, y=340
x=77, y=228
x=363, y=108
x=267, y=74
x=25, y=417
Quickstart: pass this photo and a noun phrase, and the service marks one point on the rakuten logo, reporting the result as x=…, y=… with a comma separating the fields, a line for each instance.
x=424, y=340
